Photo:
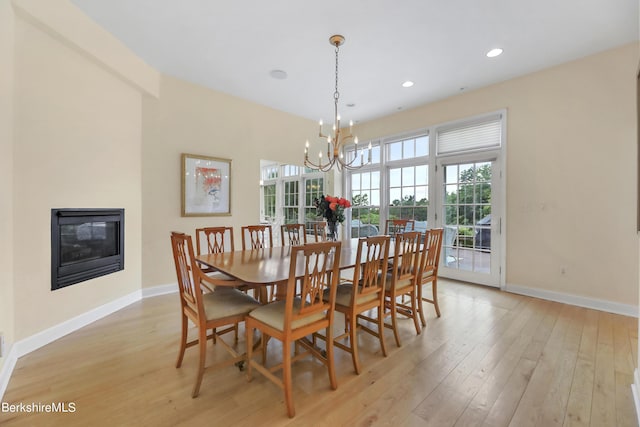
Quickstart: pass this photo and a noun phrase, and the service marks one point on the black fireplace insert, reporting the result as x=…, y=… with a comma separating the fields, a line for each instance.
x=85, y=243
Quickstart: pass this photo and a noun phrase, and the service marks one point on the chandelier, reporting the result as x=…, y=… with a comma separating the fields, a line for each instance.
x=337, y=141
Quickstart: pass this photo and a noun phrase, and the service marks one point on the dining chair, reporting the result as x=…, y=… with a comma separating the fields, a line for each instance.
x=401, y=281
x=256, y=237
x=364, y=293
x=314, y=266
x=217, y=240
x=428, y=270
x=293, y=234
x=395, y=226
x=214, y=240
x=318, y=230
x=225, y=306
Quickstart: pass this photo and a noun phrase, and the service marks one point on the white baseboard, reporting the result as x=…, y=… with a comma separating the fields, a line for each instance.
x=7, y=370
x=635, y=387
x=159, y=290
x=29, y=344
x=596, y=304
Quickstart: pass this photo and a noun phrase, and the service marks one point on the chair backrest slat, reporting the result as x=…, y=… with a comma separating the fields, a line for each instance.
x=259, y=237
x=395, y=226
x=406, y=256
x=218, y=239
x=188, y=275
x=367, y=272
x=293, y=234
x=431, y=251
x=320, y=263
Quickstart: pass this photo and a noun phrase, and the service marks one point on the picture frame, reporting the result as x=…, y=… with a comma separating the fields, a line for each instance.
x=206, y=186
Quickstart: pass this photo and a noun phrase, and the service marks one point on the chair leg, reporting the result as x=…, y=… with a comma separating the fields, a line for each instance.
x=286, y=378
x=330, y=359
x=353, y=341
x=434, y=288
x=394, y=323
x=249, y=341
x=202, y=345
x=421, y=306
x=183, y=341
x=381, y=329
x=414, y=311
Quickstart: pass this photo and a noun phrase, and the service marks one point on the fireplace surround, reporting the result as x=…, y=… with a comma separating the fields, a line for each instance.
x=85, y=244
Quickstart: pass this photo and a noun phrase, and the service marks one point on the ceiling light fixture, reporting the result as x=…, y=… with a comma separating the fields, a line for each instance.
x=494, y=52
x=337, y=142
x=278, y=74
x=408, y=83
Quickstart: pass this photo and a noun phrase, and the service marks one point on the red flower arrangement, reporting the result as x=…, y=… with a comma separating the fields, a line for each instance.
x=332, y=208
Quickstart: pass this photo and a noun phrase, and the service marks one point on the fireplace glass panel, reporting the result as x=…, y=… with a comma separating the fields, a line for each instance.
x=87, y=241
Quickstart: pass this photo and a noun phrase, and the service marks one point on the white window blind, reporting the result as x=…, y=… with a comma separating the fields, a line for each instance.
x=470, y=136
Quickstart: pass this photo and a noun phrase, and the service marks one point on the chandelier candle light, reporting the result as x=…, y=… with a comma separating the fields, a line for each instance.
x=337, y=142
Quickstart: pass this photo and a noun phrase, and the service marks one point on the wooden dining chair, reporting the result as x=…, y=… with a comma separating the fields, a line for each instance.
x=318, y=230
x=216, y=239
x=364, y=293
x=428, y=270
x=314, y=266
x=395, y=226
x=256, y=237
x=225, y=306
x=293, y=234
x=401, y=281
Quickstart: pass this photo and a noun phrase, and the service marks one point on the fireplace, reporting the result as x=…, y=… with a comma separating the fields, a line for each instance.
x=85, y=243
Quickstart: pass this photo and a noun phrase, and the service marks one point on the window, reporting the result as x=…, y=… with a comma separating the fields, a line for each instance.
x=409, y=192
x=313, y=189
x=291, y=203
x=485, y=134
x=364, y=155
x=269, y=201
x=365, y=202
x=281, y=199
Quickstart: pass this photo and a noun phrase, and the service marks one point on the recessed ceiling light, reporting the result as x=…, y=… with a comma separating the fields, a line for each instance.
x=278, y=74
x=351, y=105
x=408, y=83
x=494, y=52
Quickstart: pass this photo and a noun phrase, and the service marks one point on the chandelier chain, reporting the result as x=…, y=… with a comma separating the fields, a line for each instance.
x=336, y=94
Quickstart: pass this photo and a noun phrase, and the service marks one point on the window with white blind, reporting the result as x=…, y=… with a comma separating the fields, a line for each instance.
x=486, y=134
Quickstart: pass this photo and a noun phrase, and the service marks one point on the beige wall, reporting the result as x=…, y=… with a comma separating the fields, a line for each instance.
x=6, y=172
x=571, y=172
x=82, y=135
x=187, y=118
x=76, y=143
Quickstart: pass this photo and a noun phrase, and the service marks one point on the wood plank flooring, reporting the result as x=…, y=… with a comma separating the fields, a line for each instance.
x=492, y=359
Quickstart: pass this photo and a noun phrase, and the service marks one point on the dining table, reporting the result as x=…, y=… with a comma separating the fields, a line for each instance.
x=270, y=266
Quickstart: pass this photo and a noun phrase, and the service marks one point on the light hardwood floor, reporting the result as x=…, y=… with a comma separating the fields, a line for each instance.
x=492, y=359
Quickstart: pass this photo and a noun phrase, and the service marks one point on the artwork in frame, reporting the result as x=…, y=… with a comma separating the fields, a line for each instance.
x=206, y=186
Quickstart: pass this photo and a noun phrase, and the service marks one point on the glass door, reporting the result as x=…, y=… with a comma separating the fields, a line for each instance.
x=471, y=222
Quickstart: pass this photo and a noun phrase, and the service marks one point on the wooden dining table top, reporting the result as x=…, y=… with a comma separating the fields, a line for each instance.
x=269, y=265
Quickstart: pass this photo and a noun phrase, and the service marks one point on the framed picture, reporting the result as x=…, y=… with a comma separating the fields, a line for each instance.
x=206, y=186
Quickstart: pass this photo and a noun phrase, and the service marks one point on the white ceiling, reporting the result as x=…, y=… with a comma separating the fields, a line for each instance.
x=231, y=46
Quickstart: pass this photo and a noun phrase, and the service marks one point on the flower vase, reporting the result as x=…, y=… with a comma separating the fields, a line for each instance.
x=333, y=231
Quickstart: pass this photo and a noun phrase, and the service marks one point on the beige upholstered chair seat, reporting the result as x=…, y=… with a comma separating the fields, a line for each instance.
x=400, y=283
x=273, y=315
x=225, y=302
x=428, y=274
x=218, y=275
x=343, y=296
